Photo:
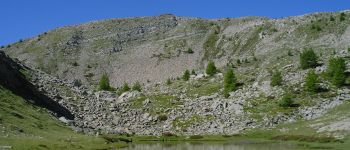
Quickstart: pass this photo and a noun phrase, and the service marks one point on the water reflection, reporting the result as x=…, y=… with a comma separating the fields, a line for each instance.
x=210, y=146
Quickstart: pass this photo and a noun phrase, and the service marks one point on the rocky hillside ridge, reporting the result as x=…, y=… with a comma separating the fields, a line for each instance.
x=254, y=47
x=156, y=48
x=182, y=107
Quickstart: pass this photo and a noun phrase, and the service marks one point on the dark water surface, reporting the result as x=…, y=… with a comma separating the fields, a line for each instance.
x=210, y=146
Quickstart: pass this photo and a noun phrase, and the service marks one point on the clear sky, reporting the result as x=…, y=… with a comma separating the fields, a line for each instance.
x=22, y=19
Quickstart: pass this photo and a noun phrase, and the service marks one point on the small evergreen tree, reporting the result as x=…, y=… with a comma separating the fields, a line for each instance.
x=342, y=17
x=290, y=53
x=168, y=82
x=124, y=88
x=193, y=72
x=276, y=79
x=308, y=59
x=311, y=81
x=137, y=86
x=238, y=61
x=211, y=69
x=229, y=82
x=104, y=83
x=286, y=101
x=190, y=51
x=186, y=75
x=336, y=71
x=331, y=18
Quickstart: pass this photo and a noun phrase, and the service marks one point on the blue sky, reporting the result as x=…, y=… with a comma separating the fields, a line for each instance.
x=22, y=19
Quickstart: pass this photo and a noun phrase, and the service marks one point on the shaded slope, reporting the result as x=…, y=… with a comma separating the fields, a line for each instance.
x=13, y=80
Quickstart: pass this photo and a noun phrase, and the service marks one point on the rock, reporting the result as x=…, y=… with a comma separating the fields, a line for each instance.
x=66, y=121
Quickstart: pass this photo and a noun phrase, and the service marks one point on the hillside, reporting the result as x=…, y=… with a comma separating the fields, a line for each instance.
x=280, y=79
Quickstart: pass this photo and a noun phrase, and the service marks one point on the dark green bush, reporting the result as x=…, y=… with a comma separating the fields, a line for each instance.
x=211, y=69
x=308, y=59
x=286, y=101
x=162, y=117
x=196, y=137
x=190, y=51
x=124, y=88
x=276, y=79
x=342, y=16
x=168, y=82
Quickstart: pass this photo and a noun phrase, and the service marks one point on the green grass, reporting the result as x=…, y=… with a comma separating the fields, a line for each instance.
x=159, y=104
x=24, y=126
x=183, y=124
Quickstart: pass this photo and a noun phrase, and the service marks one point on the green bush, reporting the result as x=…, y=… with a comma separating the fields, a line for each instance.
x=342, y=17
x=229, y=82
x=193, y=72
x=211, y=69
x=162, y=117
x=276, y=79
x=308, y=59
x=168, y=82
x=336, y=71
x=290, y=53
x=137, y=86
x=311, y=81
x=104, y=83
x=124, y=89
x=238, y=61
x=196, y=137
x=286, y=101
x=190, y=51
x=186, y=75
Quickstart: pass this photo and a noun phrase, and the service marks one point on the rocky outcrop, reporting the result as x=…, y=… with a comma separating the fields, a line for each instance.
x=12, y=79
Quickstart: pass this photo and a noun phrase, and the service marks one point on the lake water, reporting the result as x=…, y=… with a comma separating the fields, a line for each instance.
x=210, y=146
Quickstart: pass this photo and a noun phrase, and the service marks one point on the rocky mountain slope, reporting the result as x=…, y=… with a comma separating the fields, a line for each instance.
x=153, y=49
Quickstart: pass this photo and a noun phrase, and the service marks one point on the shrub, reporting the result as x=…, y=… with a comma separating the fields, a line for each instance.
x=2, y=46
x=336, y=71
x=104, y=83
x=168, y=82
x=137, y=86
x=255, y=59
x=229, y=82
x=308, y=59
x=77, y=82
x=162, y=117
x=124, y=88
x=193, y=72
x=211, y=69
x=190, y=51
x=75, y=64
x=290, y=53
x=311, y=81
x=286, y=101
x=276, y=78
x=342, y=17
x=186, y=75
x=331, y=18
x=238, y=61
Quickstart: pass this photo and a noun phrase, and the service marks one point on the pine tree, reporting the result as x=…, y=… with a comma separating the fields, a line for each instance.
x=276, y=79
x=229, y=82
x=104, y=83
x=336, y=71
x=124, y=89
x=308, y=59
x=186, y=75
x=311, y=81
x=168, y=82
x=211, y=69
